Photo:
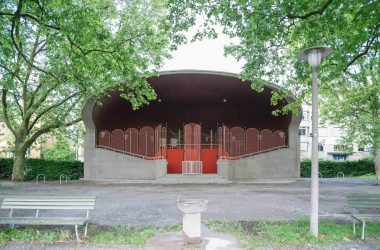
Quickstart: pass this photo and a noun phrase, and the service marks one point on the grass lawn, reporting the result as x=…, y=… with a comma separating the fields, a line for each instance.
x=367, y=176
x=119, y=234
x=250, y=233
x=294, y=233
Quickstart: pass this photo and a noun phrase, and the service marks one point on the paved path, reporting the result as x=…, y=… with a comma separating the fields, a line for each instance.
x=155, y=204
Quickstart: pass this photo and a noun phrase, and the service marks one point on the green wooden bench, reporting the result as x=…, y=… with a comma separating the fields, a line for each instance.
x=365, y=207
x=37, y=203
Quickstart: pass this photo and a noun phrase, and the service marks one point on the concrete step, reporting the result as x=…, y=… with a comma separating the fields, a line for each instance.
x=193, y=176
x=192, y=179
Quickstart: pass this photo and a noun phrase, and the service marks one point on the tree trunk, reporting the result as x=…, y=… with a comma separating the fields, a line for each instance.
x=18, y=162
x=377, y=165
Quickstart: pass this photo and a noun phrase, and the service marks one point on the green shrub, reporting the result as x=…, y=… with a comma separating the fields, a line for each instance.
x=50, y=168
x=329, y=169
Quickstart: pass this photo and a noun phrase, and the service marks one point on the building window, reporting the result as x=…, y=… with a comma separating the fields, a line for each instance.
x=320, y=146
x=339, y=157
x=339, y=148
x=305, y=115
x=304, y=146
x=304, y=130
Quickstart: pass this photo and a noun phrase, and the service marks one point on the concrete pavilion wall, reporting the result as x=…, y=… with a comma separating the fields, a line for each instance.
x=105, y=164
x=277, y=164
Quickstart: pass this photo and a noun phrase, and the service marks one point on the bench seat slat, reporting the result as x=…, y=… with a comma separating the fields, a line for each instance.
x=84, y=207
x=44, y=220
x=63, y=200
x=367, y=217
x=47, y=197
x=44, y=203
x=364, y=205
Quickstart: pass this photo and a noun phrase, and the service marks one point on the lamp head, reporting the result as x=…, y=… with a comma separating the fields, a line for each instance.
x=314, y=55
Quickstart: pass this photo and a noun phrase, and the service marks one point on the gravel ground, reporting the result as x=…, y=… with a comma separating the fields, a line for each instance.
x=155, y=204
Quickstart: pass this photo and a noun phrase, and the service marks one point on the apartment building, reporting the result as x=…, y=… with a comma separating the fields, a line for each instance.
x=330, y=138
x=46, y=141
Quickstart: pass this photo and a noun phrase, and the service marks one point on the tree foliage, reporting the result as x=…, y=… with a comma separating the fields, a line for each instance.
x=61, y=150
x=270, y=35
x=55, y=54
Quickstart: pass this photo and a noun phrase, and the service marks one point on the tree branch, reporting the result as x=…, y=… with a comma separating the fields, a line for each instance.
x=47, y=129
x=17, y=103
x=13, y=73
x=44, y=96
x=319, y=11
x=28, y=73
x=5, y=111
x=366, y=49
x=15, y=32
x=47, y=109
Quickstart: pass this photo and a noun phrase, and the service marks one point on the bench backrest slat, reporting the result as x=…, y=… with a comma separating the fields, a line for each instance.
x=49, y=202
x=364, y=201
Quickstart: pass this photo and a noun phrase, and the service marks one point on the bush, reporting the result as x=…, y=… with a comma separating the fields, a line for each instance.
x=50, y=168
x=329, y=169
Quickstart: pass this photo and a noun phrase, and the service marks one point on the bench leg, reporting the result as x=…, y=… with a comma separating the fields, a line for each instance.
x=363, y=228
x=85, y=229
x=354, y=226
x=76, y=232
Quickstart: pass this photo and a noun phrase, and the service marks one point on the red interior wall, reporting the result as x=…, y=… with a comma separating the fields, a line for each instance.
x=209, y=158
x=175, y=158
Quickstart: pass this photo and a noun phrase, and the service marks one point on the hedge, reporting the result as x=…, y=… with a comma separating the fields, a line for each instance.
x=50, y=168
x=329, y=169
x=74, y=169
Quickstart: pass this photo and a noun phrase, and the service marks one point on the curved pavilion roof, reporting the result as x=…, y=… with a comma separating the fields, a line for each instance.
x=194, y=96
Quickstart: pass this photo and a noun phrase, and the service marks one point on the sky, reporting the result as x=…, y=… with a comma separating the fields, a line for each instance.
x=207, y=54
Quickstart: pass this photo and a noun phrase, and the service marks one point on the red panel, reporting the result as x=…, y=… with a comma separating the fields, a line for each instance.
x=117, y=139
x=237, y=141
x=192, y=142
x=279, y=138
x=252, y=140
x=209, y=158
x=146, y=141
x=163, y=142
x=157, y=140
x=174, y=158
x=131, y=140
x=226, y=141
x=220, y=142
x=104, y=138
x=266, y=139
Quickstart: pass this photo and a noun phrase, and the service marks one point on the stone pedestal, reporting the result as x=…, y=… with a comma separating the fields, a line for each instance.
x=192, y=228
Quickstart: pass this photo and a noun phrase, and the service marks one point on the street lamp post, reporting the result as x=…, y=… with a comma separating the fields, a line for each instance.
x=313, y=56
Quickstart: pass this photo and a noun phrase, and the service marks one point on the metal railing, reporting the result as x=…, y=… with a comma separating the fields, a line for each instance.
x=39, y=176
x=132, y=154
x=191, y=167
x=62, y=176
x=340, y=174
x=251, y=154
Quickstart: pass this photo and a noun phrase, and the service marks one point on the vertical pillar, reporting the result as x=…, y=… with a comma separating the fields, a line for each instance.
x=314, y=157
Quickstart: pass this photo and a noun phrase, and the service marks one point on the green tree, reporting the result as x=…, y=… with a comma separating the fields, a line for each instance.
x=60, y=151
x=271, y=33
x=355, y=107
x=55, y=54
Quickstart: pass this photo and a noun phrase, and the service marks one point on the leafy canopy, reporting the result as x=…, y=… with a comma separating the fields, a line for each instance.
x=271, y=33
x=55, y=54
